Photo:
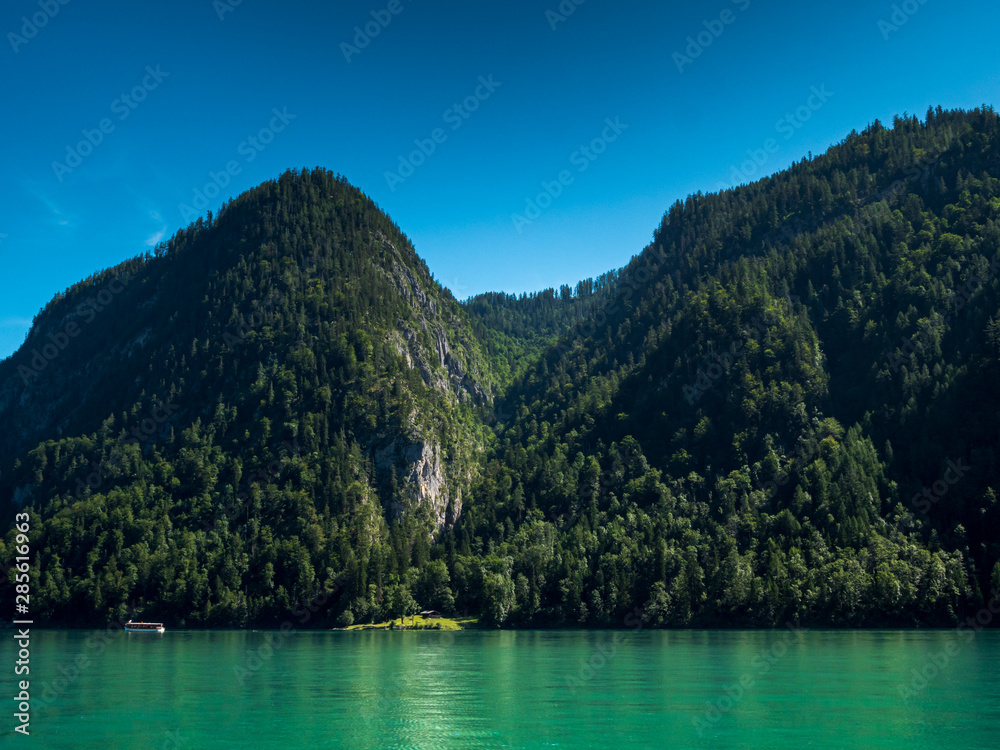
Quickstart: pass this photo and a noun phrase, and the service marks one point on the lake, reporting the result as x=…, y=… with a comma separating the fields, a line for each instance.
x=512, y=689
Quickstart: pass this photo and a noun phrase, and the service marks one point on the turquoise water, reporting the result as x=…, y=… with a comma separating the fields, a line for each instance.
x=525, y=689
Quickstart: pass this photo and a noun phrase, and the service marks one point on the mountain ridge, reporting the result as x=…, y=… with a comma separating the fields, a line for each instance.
x=715, y=433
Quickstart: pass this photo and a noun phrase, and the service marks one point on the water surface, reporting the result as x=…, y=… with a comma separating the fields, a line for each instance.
x=524, y=689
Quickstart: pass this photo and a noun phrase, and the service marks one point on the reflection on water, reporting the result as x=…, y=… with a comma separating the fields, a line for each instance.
x=523, y=689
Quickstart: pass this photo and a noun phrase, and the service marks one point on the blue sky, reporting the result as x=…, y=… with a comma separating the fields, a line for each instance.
x=175, y=93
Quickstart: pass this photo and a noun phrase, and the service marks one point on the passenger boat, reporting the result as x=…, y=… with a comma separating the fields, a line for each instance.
x=144, y=627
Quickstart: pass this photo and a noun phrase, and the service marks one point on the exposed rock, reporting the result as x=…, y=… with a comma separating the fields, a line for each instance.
x=441, y=368
x=420, y=473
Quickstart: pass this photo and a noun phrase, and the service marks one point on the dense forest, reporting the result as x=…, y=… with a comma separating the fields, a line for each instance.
x=784, y=409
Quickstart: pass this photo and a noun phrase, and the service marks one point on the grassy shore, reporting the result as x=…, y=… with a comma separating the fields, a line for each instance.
x=420, y=623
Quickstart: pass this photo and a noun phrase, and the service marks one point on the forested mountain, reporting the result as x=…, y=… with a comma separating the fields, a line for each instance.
x=239, y=417
x=745, y=435
x=786, y=408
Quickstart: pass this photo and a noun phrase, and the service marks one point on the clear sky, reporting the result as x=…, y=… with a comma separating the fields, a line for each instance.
x=175, y=92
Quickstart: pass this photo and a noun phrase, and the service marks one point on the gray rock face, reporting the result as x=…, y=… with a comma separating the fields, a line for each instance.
x=423, y=341
x=427, y=481
x=420, y=473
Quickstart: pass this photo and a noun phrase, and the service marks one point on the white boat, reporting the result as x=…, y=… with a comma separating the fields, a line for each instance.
x=144, y=627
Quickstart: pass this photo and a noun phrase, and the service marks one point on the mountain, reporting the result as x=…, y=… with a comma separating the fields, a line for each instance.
x=216, y=426
x=785, y=409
